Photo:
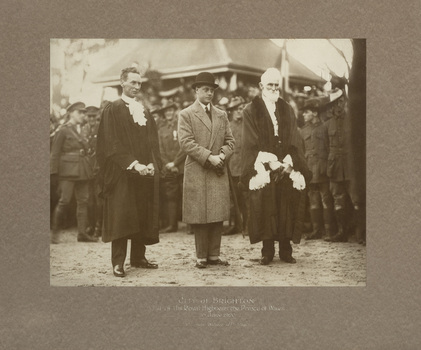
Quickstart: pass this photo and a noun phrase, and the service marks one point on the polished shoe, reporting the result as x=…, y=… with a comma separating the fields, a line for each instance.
x=218, y=262
x=144, y=264
x=118, y=271
x=264, y=260
x=55, y=237
x=314, y=235
x=86, y=238
x=339, y=237
x=201, y=265
x=288, y=259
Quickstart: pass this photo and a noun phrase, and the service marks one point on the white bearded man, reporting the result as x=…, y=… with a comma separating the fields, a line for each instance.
x=277, y=208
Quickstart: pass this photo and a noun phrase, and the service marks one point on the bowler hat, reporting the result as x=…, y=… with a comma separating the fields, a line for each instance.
x=76, y=106
x=235, y=102
x=92, y=110
x=205, y=78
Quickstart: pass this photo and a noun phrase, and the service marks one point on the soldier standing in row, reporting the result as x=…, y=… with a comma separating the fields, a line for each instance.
x=173, y=161
x=69, y=164
x=337, y=168
x=316, y=143
x=235, y=116
x=90, y=132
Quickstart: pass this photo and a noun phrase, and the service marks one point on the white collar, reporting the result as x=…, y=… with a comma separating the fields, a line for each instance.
x=136, y=110
x=127, y=99
x=204, y=106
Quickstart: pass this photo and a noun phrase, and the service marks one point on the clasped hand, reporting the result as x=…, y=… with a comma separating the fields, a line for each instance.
x=217, y=161
x=145, y=169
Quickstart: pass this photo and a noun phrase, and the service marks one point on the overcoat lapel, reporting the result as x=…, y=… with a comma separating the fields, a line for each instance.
x=216, y=124
x=201, y=115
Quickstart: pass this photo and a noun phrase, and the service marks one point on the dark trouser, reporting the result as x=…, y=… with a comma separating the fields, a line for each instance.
x=81, y=190
x=339, y=191
x=268, y=249
x=242, y=204
x=321, y=205
x=173, y=191
x=207, y=239
x=119, y=251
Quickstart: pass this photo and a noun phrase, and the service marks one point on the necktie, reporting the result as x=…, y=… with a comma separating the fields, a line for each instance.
x=208, y=113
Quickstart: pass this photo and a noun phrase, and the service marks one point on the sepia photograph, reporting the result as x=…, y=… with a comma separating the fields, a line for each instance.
x=218, y=175
x=207, y=162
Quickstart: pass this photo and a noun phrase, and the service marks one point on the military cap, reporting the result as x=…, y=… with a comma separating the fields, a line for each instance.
x=92, y=110
x=76, y=106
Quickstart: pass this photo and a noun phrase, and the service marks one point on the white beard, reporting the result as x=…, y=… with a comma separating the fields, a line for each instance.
x=272, y=96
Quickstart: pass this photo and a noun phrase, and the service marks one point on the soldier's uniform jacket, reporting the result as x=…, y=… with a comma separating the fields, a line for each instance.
x=69, y=155
x=170, y=146
x=90, y=134
x=316, y=143
x=337, y=167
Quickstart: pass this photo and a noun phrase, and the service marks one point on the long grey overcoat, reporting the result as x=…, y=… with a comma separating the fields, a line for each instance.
x=206, y=196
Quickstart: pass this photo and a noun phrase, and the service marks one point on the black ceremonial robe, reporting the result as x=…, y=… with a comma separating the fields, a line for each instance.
x=131, y=201
x=276, y=211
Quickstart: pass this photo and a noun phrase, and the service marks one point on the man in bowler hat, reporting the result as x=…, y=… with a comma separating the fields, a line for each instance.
x=205, y=136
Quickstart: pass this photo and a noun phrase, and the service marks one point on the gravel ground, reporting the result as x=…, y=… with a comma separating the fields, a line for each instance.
x=319, y=263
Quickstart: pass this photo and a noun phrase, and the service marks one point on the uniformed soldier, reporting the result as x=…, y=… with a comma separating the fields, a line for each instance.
x=90, y=132
x=173, y=159
x=337, y=168
x=316, y=143
x=69, y=163
x=238, y=203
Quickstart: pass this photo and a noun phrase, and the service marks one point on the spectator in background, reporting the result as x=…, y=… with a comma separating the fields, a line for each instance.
x=316, y=143
x=238, y=210
x=70, y=165
x=90, y=132
x=173, y=164
x=337, y=167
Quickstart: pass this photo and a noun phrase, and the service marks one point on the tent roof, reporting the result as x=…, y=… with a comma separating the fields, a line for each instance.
x=178, y=58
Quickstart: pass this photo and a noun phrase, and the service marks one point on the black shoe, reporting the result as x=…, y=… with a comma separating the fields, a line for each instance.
x=201, y=265
x=86, y=238
x=144, y=264
x=119, y=271
x=288, y=259
x=340, y=237
x=218, y=262
x=264, y=260
x=314, y=235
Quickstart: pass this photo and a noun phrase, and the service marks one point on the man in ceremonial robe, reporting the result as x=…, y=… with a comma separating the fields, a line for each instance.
x=129, y=161
x=276, y=210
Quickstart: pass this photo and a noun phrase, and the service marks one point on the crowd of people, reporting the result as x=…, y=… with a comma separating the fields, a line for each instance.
x=273, y=169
